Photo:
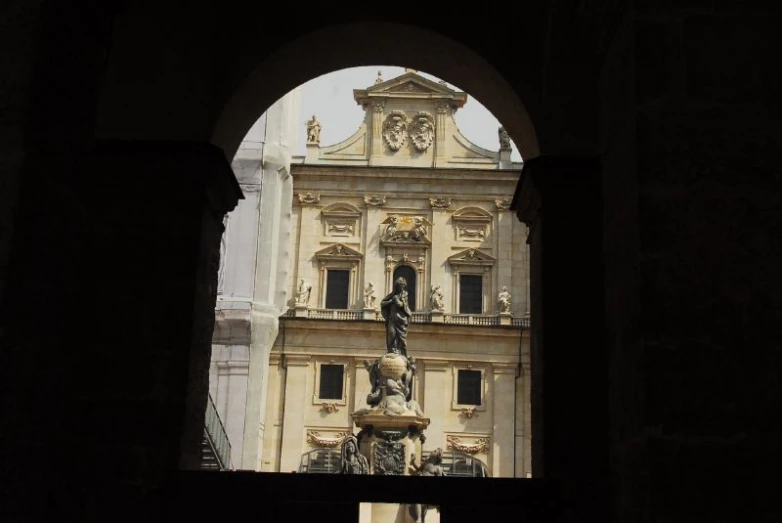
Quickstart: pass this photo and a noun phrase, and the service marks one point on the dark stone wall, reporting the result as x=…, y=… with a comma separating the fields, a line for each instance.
x=689, y=110
x=108, y=251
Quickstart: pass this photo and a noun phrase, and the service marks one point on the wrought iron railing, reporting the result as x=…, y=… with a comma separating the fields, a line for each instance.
x=216, y=437
x=480, y=320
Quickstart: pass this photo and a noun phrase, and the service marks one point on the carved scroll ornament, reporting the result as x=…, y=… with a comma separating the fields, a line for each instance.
x=480, y=445
x=315, y=438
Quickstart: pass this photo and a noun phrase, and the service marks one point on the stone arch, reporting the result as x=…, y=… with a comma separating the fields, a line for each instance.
x=348, y=44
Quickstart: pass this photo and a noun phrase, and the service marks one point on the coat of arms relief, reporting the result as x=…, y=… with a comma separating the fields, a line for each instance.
x=422, y=131
x=397, y=128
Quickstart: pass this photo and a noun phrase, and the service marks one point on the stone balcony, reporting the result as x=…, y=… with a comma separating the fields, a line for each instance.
x=480, y=320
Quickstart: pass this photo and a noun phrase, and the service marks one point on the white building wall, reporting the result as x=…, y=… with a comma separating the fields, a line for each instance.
x=254, y=279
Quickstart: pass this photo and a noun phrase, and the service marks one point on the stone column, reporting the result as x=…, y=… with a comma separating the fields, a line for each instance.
x=503, y=401
x=297, y=370
x=568, y=189
x=236, y=373
x=264, y=325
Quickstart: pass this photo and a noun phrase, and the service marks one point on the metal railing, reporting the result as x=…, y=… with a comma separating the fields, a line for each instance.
x=479, y=320
x=455, y=463
x=216, y=437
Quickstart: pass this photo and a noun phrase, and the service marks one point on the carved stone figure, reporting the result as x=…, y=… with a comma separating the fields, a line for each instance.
x=313, y=130
x=436, y=298
x=504, y=138
x=431, y=466
x=353, y=462
x=419, y=229
x=422, y=131
x=503, y=300
x=396, y=313
x=303, y=296
x=391, y=228
x=395, y=130
x=369, y=296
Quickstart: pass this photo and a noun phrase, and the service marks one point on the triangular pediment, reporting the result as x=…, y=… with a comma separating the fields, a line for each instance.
x=338, y=250
x=471, y=257
x=411, y=83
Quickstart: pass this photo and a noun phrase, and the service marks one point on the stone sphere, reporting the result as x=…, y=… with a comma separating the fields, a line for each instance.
x=392, y=366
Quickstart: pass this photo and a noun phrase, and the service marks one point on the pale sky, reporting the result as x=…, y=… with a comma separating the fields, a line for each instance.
x=330, y=98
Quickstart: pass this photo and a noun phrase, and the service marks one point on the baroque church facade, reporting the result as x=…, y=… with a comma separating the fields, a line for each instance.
x=407, y=195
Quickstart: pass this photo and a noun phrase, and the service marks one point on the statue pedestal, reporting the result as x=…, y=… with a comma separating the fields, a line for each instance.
x=438, y=317
x=370, y=314
x=300, y=311
x=390, y=443
x=506, y=318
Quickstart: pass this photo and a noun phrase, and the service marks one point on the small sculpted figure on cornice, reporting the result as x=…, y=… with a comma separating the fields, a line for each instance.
x=309, y=198
x=375, y=201
x=503, y=205
x=440, y=203
x=504, y=138
x=313, y=130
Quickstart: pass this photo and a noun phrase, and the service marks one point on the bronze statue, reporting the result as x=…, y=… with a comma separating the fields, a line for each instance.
x=396, y=313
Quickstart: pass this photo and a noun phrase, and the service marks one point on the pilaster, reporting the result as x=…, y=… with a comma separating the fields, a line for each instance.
x=376, y=136
x=297, y=370
x=503, y=402
x=441, y=239
x=437, y=401
x=441, y=132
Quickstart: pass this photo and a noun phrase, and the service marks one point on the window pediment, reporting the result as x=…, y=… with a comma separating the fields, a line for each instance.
x=471, y=214
x=471, y=257
x=341, y=210
x=338, y=252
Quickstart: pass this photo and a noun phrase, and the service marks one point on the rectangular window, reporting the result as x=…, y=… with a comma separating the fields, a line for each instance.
x=337, y=285
x=469, y=387
x=331, y=379
x=471, y=294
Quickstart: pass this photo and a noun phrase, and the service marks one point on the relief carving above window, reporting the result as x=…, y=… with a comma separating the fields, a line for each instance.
x=471, y=224
x=341, y=220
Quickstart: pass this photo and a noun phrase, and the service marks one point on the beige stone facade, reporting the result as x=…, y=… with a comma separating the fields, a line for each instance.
x=406, y=195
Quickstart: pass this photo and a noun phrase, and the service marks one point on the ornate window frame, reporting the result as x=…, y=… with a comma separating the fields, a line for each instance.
x=338, y=256
x=331, y=405
x=472, y=224
x=466, y=409
x=341, y=220
x=472, y=261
